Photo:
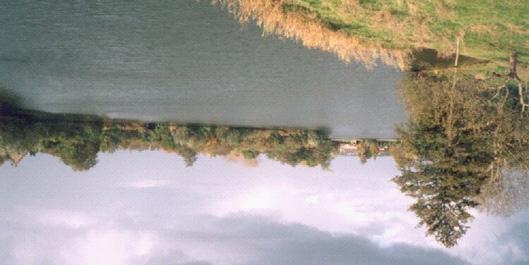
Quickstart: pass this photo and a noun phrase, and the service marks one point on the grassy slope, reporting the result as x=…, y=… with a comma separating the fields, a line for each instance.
x=489, y=29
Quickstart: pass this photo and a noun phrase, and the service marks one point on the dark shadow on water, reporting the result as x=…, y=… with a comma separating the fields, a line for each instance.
x=9, y=102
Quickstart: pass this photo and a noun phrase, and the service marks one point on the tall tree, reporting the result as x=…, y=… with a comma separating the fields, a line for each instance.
x=458, y=138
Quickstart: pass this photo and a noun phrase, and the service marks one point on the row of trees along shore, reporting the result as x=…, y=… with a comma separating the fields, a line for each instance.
x=77, y=140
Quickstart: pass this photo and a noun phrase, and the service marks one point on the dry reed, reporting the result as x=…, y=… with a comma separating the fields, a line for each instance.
x=270, y=16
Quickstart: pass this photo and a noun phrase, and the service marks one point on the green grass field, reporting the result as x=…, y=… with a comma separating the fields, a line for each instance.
x=487, y=29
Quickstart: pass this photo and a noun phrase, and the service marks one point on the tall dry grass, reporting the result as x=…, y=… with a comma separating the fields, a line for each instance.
x=270, y=16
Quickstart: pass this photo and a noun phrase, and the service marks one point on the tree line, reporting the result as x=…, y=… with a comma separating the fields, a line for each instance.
x=76, y=140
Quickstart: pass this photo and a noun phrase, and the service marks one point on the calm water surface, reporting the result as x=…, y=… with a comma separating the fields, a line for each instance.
x=183, y=61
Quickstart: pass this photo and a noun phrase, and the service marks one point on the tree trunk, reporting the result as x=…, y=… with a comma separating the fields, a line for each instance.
x=512, y=66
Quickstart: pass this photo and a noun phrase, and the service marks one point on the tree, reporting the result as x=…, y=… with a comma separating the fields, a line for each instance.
x=77, y=139
x=455, y=145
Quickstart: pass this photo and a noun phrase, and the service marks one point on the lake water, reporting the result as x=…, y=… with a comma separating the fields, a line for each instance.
x=183, y=61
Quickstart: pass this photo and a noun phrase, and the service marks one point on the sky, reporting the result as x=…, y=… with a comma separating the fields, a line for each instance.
x=148, y=208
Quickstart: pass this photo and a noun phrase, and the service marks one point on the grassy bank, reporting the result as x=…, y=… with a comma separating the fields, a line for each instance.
x=364, y=30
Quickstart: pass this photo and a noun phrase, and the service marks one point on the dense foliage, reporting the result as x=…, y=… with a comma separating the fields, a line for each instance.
x=77, y=140
x=463, y=136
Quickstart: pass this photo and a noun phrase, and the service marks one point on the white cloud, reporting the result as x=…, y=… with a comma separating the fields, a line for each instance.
x=68, y=219
x=146, y=183
x=350, y=206
x=109, y=246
